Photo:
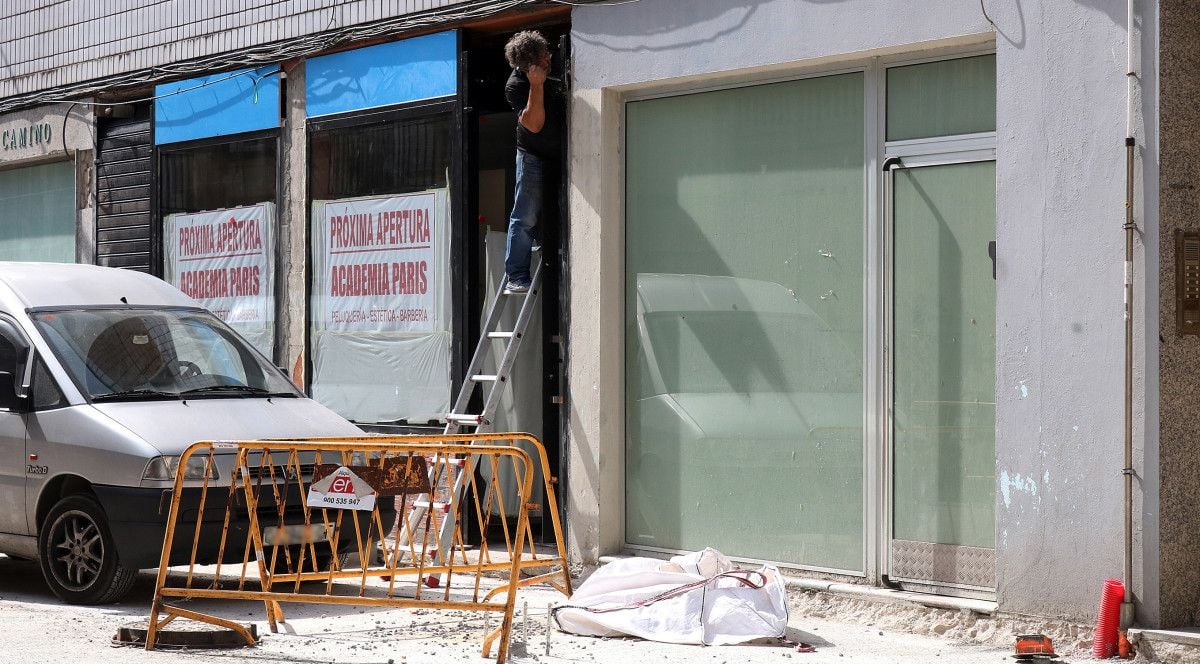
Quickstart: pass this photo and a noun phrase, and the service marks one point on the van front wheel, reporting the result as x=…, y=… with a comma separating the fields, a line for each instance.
x=78, y=555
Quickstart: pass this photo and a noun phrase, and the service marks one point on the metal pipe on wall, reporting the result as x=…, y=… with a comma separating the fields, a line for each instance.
x=1127, y=607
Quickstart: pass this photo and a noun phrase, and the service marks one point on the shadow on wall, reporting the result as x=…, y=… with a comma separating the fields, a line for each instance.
x=707, y=20
x=1114, y=9
x=1008, y=22
x=1008, y=16
x=638, y=22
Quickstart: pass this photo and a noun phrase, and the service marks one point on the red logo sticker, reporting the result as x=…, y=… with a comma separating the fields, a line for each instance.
x=341, y=485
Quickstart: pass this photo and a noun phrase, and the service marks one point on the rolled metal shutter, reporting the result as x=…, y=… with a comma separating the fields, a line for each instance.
x=125, y=232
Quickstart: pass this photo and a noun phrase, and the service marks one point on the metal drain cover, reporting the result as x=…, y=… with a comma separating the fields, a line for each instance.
x=182, y=633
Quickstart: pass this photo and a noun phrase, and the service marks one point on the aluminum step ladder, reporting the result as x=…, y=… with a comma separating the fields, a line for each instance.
x=458, y=419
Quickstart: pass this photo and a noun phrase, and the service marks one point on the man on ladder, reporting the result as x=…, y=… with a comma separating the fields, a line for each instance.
x=540, y=102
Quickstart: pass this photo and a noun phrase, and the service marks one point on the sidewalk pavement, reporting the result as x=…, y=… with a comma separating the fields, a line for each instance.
x=41, y=629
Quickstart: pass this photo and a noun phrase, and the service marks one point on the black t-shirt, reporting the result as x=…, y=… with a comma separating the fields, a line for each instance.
x=544, y=144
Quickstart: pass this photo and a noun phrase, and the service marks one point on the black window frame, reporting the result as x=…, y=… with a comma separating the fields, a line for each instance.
x=167, y=149
x=158, y=221
x=461, y=267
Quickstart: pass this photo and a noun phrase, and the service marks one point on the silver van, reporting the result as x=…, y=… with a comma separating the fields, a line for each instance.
x=106, y=376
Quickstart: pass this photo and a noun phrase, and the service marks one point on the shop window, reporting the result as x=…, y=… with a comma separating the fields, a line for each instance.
x=219, y=218
x=744, y=322
x=941, y=98
x=37, y=213
x=380, y=296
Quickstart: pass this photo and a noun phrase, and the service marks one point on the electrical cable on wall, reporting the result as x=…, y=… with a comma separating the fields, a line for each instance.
x=257, y=56
x=166, y=94
x=983, y=8
x=63, y=133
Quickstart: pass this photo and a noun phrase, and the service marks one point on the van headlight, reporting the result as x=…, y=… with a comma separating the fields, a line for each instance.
x=165, y=467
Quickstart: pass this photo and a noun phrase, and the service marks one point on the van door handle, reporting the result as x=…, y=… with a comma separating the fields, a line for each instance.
x=992, y=255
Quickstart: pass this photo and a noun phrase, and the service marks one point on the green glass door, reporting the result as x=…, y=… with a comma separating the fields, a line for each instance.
x=943, y=380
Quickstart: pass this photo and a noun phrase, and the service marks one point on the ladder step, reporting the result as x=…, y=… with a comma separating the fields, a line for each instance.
x=466, y=418
x=499, y=335
x=436, y=505
x=485, y=378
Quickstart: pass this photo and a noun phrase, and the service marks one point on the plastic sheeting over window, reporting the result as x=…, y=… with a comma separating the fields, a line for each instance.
x=225, y=259
x=381, y=306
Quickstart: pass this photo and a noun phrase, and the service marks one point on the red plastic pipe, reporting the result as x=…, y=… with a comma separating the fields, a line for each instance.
x=1104, y=644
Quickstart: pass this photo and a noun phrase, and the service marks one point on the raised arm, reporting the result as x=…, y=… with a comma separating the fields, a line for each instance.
x=533, y=116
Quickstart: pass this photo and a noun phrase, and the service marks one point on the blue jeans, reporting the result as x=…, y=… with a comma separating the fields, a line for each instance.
x=527, y=208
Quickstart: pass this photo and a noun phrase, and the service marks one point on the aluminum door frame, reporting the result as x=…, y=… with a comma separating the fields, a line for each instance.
x=943, y=568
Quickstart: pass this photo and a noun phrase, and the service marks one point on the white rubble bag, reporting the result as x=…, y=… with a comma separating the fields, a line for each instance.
x=697, y=598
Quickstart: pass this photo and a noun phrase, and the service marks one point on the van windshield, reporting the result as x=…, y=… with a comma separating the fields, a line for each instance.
x=127, y=354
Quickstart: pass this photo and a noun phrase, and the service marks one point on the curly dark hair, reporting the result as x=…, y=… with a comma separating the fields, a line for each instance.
x=525, y=48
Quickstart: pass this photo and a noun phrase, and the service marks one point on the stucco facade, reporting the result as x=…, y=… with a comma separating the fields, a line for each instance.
x=1059, y=154
x=1061, y=109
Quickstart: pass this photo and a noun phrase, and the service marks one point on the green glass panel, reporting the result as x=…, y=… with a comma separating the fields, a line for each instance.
x=945, y=354
x=37, y=213
x=941, y=98
x=744, y=322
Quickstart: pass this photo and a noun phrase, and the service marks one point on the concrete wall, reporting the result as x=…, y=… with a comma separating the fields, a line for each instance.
x=1061, y=111
x=293, y=228
x=1179, y=377
x=1060, y=175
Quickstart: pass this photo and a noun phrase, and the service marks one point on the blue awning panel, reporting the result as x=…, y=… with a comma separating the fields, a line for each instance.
x=394, y=73
x=217, y=105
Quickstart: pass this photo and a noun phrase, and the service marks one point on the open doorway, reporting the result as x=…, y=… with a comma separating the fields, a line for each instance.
x=534, y=397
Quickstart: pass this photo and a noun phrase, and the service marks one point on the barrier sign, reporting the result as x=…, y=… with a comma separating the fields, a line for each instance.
x=342, y=490
x=389, y=477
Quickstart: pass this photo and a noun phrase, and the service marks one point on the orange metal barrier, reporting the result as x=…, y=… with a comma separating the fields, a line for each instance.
x=412, y=524
x=268, y=516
